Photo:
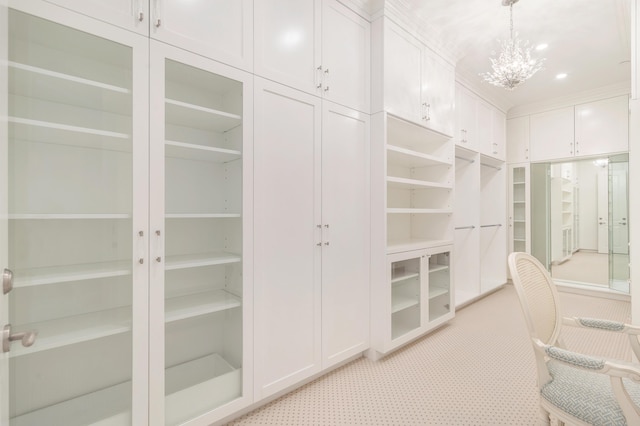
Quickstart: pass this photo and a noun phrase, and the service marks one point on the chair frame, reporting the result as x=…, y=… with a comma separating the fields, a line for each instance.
x=547, y=337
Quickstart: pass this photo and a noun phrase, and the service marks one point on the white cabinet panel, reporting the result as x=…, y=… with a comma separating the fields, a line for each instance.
x=466, y=134
x=130, y=14
x=288, y=42
x=498, y=137
x=602, y=127
x=438, y=92
x=518, y=140
x=287, y=254
x=552, y=134
x=345, y=253
x=218, y=29
x=402, y=73
x=345, y=56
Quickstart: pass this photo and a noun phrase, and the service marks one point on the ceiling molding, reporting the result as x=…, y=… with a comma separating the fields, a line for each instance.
x=575, y=99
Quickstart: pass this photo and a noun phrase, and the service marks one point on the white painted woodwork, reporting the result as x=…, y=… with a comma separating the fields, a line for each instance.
x=4, y=206
x=218, y=29
x=287, y=236
x=438, y=91
x=130, y=14
x=602, y=126
x=518, y=140
x=466, y=134
x=318, y=46
x=552, y=134
x=345, y=233
x=519, y=208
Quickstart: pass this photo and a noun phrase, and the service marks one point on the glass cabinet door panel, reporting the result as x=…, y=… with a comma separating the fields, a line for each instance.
x=406, y=290
x=203, y=170
x=71, y=222
x=439, y=285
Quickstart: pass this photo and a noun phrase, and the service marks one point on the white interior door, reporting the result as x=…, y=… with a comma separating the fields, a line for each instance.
x=603, y=212
x=619, y=209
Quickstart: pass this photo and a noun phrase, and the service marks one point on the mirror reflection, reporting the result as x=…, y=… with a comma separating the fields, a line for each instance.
x=580, y=227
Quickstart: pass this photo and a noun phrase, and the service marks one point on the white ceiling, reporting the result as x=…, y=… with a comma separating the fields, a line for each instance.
x=588, y=39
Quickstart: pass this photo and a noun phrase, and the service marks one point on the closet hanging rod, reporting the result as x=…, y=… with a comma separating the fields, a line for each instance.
x=490, y=226
x=465, y=159
x=493, y=167
x=465, y=227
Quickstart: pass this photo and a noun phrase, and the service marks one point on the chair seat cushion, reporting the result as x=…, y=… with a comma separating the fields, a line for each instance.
x=586, y=395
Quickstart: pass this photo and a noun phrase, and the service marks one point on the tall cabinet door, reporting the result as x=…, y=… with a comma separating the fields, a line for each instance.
x=218, y=29
x=287, y=236
x=287, y=44
x=345, y=249
x=75, y=277
x=201, y=224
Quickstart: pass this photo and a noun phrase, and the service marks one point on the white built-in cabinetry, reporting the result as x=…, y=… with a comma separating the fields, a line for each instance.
x=129, y=243
x=410, y=80
x=519, y=208
x=318, y=46
x=518, y=140
x=412, y=169
x=216, y=29
x=598, y=127
x=311, y=235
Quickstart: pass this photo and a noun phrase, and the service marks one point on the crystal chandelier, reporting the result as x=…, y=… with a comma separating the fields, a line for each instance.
x=514, y=65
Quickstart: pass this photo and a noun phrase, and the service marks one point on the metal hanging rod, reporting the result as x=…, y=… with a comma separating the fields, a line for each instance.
x=465, y=159
x=490, y=226
x=465, y=227
x=493, y=167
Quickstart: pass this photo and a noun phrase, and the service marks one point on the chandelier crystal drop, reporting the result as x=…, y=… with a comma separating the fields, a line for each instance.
x=515, y=64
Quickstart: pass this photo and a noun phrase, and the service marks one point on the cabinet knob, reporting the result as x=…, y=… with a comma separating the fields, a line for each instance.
x=140, y=16
x=7, y=281
x=27, y=338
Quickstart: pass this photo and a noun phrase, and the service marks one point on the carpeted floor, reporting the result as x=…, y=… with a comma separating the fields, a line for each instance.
x=477, y=370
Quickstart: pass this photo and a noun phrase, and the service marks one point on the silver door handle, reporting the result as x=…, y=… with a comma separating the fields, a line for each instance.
x=622, y=223
x=7, y=281
x=26, y=337
x=602, y=223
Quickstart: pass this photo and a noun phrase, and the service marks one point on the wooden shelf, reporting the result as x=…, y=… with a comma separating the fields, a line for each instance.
x=203, y=383
x=197, y=260
x=189, y=151
x=40, y=83
x=189, y=306
x=195, y=116
x=412, y=159
x=68, y=273
x=404, y=183
x=202, y=215
x=400, y=303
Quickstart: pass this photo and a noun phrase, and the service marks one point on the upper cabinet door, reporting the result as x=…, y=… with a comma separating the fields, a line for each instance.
x=498, y=134
x=402, y=73
x=130, y=14
x=438, y=92
x=603, y=126
x=484, y=122
x=287, y=43
x=518, y=140
x=345, y=56
x=466, y=105
x=552, y=134
x=218, y=29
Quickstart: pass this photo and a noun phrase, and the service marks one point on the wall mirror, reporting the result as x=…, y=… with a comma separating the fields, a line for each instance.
x=579, y=220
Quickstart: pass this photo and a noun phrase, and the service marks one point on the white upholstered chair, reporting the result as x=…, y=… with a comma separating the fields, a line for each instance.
x=574, y=388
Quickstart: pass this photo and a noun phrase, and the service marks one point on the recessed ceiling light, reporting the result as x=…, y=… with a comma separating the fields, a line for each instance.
x=561, y=75
x=542, y=46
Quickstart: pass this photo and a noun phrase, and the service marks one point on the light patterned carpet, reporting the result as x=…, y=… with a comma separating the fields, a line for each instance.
x=477, y=370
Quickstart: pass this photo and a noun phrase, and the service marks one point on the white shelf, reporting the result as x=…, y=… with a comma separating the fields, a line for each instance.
x=519, y=202
x=418, y=211
x=437, y=291
x=436, y=268
x=412, y=159
x=65, y=216
x=195, y=116
x=202, y=215
x=40, y=83
x=519, y=183
x=68, y=128
x=404, y=183
x=191, y=151
x=68, y=273
x=519, y=221
x=397, y=246
x=217, y=382
x=197, y=260
x=405, y=277
x=189, y=306
x=70, y=330
x=401, y=303
x=522, y=240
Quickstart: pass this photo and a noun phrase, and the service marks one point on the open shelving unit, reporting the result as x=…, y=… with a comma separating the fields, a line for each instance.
x=519, y=241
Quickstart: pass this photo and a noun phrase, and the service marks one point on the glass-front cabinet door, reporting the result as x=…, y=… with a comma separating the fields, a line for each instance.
x=406, y=294
x=74, y=305
x=200, y=213
x=440, y=294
